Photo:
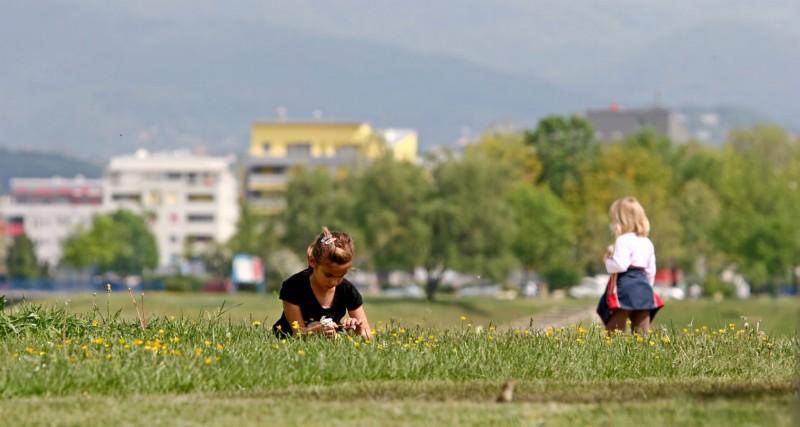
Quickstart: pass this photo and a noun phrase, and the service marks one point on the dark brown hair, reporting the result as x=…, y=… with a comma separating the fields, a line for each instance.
x=333, y=246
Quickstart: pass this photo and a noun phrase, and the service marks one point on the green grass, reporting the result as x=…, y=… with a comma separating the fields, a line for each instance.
x=220, y=410
x=226, y=368
x=778, y=316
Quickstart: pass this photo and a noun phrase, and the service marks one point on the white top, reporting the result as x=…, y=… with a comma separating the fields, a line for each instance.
x=632, y=250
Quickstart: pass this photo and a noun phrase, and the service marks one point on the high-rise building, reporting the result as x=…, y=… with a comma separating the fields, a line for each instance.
x=611, y=124
x=189, y=200
x=277, y=147
x=47, y=210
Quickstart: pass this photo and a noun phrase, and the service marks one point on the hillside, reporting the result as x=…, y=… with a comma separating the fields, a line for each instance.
x=32, y=164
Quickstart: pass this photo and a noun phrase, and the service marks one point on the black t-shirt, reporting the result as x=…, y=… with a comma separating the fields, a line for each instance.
x=297, y=290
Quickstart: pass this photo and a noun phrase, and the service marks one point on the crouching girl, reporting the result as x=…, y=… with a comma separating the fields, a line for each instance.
x=316, y=299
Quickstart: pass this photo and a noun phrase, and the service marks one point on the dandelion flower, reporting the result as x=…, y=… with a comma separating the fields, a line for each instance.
x=463, y=318
x=207, y=343
x=208, y=360
x=220, y=347
x=256, y=323
x=301, y=353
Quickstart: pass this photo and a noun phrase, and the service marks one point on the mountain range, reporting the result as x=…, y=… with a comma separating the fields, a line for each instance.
x=92, y=79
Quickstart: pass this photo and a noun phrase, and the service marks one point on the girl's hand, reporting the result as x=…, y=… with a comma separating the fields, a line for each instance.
x=609, y=251
x=351, y=324
x=316, y=327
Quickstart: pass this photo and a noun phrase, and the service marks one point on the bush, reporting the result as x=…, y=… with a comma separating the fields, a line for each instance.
x=183, y=283
x=714, y=285
x=561, y=276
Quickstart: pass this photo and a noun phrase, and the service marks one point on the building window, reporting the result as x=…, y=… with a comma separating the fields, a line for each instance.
x=173, y=176
x=347, y=152
x=126, y=197
x=298, y=150
x=199, y=218
x=200, y=198
x=198, y=238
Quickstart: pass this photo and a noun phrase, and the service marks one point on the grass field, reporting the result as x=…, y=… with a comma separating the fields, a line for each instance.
x=776, y=316
x=194, y=365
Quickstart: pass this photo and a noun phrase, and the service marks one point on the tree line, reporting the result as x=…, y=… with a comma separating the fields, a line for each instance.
x=535, y=201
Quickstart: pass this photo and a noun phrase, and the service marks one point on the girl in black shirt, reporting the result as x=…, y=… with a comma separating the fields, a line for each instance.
x=316, y=299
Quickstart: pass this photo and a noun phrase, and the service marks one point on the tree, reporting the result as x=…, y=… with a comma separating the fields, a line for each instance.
x=471, y=223
x=21, y=259
x=544, y=236
x=389, y=199
x=314, y=198
x=120, y=242
x=635, y=167
x=563, y=145
x=760, y=200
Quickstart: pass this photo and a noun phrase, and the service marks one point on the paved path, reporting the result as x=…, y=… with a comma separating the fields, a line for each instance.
x=558, y=317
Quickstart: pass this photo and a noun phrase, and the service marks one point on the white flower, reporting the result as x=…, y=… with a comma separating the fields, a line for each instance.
x=327, y=322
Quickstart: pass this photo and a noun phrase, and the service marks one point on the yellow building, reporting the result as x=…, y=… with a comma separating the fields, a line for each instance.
x=277, y=147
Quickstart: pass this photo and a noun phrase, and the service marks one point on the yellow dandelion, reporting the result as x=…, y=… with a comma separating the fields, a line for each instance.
x=295, y=325
x=175, y=339
x=198, y=351
x=138, y=342
x=161, y=332
x=220, y=347
x=732, y=326
x=463, y=318
x=301, y=353
x=42, y=353
x=30, y=350
x=97, y=341
x=207, y=343
x=208, y=360
x=256, y=323
x=108, y=357
x=652, y=343
x=95, y=323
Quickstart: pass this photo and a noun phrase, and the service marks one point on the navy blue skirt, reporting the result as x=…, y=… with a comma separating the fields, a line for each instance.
x=634, y=293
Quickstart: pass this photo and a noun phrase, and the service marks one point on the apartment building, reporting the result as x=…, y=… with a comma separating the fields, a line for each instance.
x=275, y=148
x=48, y=210
x=188, y=199
x=611, y=124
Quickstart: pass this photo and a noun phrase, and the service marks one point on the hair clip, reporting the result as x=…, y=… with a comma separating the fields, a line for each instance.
x=327, y=240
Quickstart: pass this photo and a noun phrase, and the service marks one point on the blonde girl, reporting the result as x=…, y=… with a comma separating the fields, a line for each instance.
x=631, y=261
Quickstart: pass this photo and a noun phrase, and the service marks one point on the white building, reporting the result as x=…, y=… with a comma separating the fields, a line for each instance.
x=188, y=199
x=47, y=210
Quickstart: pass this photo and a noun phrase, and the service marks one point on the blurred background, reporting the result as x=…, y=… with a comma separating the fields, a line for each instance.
x=471, y=148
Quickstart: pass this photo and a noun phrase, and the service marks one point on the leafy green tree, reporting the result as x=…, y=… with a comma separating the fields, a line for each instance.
x=314, y=198
x=21, y=259
x=635, y=167
x=563, y=145
x=518, y=158
x=120, y=242
x=544, y=236
x=471, y=223
x=760, y=200
x=389, y=199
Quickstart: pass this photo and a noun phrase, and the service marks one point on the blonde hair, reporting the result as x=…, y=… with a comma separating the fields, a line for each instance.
x=627, y=216
x=333, y=246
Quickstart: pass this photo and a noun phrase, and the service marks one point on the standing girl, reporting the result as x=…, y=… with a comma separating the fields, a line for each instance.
x=632, y=265
x=316, y=299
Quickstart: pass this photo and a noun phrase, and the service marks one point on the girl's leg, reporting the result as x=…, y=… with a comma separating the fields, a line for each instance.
x=617, y=321
x=640, y=320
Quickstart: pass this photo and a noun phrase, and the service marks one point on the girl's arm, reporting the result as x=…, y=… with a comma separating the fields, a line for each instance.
x=620, y=260
x=360, y=320
x=294, y=314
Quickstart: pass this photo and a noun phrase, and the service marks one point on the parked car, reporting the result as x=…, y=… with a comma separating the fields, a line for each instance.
x=590, y=287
